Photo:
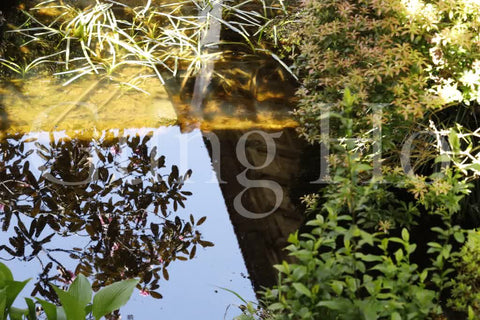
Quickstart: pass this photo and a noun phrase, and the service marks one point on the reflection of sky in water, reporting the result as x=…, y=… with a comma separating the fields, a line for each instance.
x=192, y=291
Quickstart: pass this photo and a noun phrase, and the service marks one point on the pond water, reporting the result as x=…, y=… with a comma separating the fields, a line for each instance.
x=33, y=187
x=99, y=194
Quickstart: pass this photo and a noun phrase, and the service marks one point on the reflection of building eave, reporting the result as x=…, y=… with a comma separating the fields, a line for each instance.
x=262, y=241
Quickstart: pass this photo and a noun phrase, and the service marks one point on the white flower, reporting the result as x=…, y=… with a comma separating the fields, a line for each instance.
x=413, y=7
x=448, y=92
x=470, y=78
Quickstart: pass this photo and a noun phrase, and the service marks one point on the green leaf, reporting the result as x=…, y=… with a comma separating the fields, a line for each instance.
x=236, y=294
x=337, y=286
x=17, y=314
x=423, y=275
x=49, y=308
x=5, y=275
x=340, y=305
x=348, y=98
x=88, y=309
x=471, y=313
x=31, y=309
x=399, y=255
x=112, y=297
x=300, y=287
x=396, y=316
x=368, y=257
x=459, y=236
x=368, y=309
x=454, y=141
x=74, y=310
x=61, y=314
x=3, y=302
x=81, y=290
x=276, y=306
x=474, y=167
x=442, y=158
x=405, y=235
x=13, y=289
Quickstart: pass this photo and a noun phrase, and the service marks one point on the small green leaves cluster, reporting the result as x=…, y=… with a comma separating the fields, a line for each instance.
x=337, y=278
x=76, y=302
x=466, y=285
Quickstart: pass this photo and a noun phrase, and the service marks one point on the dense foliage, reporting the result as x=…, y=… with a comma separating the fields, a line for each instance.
x=390, y=89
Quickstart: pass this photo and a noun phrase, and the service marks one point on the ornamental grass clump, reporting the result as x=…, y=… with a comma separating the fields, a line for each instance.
x=159, y=37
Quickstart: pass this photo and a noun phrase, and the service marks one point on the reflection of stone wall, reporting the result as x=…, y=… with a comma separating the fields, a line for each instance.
x=262, y=240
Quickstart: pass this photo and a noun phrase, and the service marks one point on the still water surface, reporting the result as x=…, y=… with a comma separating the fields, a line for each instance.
x=107, y=210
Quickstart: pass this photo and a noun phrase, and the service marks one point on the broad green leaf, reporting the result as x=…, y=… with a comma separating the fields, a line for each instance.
x=13, y=289
x=81, y=290
x=61, y=314
x=74, y=310
x=17, y=314
x=3, y=302
x=423, y=275
x=49, y=308
x=5, y=275
x=368, y=309
x=474, y=166
x=454, y=141
x=442, y=158
x=368, y=257
x=300, y=287
x=395, y=316
x=405, y=235
x=112, y=297
x=459, y=236
x=88, y=309
x=31, y=309
x=337, y=286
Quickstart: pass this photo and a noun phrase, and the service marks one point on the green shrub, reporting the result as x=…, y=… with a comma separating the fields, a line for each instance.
x=336, y=279
x=466, y=286
x=345, y=268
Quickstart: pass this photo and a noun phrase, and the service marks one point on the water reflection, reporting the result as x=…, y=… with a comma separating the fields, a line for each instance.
x=110, y=201
x=263, y=237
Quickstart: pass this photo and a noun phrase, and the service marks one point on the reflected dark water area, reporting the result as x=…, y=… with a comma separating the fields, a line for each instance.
x=262, y=192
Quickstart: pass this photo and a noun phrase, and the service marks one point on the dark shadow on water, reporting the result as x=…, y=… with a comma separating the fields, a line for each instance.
x=263, y=240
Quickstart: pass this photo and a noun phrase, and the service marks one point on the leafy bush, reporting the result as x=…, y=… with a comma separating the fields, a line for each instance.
x=345, y=268
x=466, y=286
x=336, y=279
x=417, y=56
